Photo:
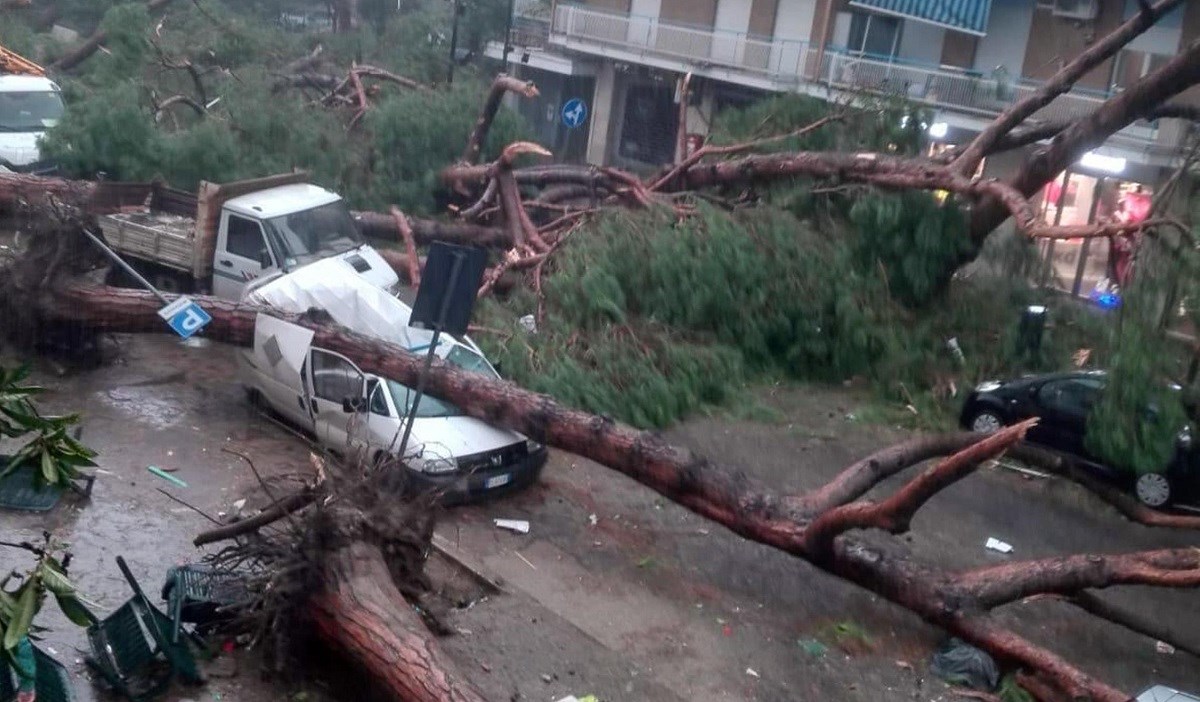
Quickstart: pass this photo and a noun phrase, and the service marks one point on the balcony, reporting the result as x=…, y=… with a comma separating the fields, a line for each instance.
x=776, y=64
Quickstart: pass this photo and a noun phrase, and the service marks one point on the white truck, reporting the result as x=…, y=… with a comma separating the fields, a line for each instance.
x=359, y=415
x=30, y=103
x=226, y=236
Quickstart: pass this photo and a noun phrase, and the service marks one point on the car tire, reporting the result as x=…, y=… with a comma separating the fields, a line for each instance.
x=1153, y=490
x=986, y=422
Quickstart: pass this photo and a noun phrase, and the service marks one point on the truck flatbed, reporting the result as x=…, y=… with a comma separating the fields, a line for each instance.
x=167, y=239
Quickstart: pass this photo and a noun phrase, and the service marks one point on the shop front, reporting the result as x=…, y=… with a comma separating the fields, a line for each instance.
x=1092, y=268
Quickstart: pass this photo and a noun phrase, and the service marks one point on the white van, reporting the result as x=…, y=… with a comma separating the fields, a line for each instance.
x=29, y=105
x=362, y=415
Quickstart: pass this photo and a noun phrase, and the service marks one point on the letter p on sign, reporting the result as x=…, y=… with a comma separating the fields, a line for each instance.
x=184, y=317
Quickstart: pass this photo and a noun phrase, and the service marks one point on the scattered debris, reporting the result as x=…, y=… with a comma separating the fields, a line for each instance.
x=1164, y=647
x=528, y=323
x=526, y=560
x=166, y=476
x=1081, y=357
x=960, y=663
x=812, y=647
x=518, y=525
x=752, y=673
x=998, y=545
x=956, y=350
x=593, y=519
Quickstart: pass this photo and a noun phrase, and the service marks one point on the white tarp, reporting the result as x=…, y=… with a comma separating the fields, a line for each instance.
x=350, y=300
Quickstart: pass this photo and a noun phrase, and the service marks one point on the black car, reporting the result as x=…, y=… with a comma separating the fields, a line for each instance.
x=1063, y=401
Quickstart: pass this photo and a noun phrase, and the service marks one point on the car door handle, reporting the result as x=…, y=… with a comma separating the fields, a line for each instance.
x=227, y=263
x=300, y=401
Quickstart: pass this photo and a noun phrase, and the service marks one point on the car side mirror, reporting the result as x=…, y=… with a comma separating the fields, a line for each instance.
x=350, y=404
x=264, y=259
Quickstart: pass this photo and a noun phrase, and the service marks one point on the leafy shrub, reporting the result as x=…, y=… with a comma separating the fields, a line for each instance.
x=918, y=241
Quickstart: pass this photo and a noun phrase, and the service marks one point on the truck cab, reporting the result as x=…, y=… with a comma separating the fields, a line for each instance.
x=226, y=236
x=280, y=229
x=29, y=105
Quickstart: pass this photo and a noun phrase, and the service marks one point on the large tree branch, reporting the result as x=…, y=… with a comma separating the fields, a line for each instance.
x=1172, y=78
x=502, y=84
x=1060, y=83
x=895, y=513
x=857, y=479
x=1000, y=584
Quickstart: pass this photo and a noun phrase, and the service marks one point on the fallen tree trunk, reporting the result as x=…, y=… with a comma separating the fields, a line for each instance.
x=378, y=225
x=957, y=602
x=370, y=622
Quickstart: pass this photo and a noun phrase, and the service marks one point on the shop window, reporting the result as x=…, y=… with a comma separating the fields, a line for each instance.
x=648, y=132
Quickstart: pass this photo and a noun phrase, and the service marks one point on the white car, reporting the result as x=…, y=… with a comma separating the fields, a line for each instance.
x=360, y=415
x=29, y=105
x=1161, y=693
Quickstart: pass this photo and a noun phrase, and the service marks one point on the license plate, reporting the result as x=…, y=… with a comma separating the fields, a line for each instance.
x=496, y=481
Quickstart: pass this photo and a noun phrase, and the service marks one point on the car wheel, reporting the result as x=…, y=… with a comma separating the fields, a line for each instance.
x=986, y=422
x=1153, y=489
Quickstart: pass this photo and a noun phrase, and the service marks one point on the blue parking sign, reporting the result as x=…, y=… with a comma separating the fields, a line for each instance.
x=574, y=112
x=185, y=317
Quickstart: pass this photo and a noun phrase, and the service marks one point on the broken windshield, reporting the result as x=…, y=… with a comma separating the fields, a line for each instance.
x=327, y=230
x=29, y=111
x=460, y=356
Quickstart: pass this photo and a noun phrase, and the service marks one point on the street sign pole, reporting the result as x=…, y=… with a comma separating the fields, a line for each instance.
x=455, y=269
x=182, y=315
x=112, y=256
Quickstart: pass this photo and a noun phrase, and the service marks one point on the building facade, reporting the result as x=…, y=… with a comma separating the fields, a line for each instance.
x=966, y=60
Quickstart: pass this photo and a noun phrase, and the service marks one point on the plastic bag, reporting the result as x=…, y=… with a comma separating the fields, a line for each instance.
x=960, y=663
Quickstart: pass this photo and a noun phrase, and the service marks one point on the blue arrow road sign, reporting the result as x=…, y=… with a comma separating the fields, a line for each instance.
x=185, y=317
x=574, y=112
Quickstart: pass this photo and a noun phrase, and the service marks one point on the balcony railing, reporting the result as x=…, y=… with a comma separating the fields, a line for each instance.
x=788, y=63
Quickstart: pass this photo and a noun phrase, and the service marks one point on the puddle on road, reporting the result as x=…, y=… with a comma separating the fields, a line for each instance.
x=146, y=405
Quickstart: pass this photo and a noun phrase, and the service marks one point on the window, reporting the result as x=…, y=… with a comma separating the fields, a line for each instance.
x=648, y=132
x=378, y=403
x=874, y=35
x=1131, y=66
x=328, y=229
x=1074, y=396
x=335, y=378
x=244, y=238
x=29, y=111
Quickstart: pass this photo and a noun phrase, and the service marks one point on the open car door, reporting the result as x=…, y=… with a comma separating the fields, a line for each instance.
x=280, y=353
x=334, y=385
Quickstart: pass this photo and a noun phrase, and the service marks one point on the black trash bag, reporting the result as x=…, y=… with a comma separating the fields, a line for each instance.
x=960, y=663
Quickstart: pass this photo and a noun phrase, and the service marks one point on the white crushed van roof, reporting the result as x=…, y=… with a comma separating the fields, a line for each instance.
x=333, y=286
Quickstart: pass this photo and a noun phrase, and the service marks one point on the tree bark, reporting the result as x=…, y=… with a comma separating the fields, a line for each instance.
x=491, y=105
x=365, y=617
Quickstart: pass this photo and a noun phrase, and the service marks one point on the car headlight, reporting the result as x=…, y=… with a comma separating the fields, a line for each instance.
x=532, y=446
x=1184, y=439
x=988, y=386
x=432, y=464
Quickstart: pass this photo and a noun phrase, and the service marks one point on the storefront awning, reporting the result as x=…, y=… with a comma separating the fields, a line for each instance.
x=970, y=16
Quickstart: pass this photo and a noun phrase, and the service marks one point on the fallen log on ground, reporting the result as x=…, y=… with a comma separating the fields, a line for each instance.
x=957, y=602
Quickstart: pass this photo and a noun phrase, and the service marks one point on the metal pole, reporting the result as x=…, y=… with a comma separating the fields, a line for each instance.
x=453, y=42
x=112, y=255
x=437, y=332
x=512, y=8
